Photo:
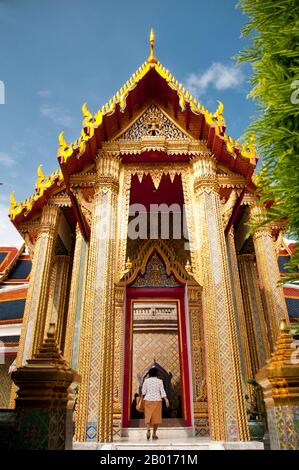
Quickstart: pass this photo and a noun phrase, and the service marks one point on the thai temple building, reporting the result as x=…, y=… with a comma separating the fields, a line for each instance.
x=137, y=255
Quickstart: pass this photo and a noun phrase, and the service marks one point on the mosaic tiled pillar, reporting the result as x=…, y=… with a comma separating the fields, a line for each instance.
x=118, y=356
x=254, y=313
x=239, y=310
x=227, y=411
x=280, y=382
x=60, y=297
x=97, y=337
x=77, y=293
x=37, y=297
x=51, y=295
x=200, y=399
x=269, y=276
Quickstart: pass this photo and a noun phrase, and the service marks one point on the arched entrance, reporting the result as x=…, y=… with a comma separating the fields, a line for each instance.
x=156, y=327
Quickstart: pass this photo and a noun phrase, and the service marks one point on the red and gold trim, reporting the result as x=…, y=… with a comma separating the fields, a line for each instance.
x=150, y=295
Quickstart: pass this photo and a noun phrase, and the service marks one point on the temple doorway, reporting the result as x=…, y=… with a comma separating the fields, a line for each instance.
x=157, y=332
x=156, y=343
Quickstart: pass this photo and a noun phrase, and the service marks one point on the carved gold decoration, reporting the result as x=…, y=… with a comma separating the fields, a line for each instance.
x=39, y=283
x=29, y=231
x=139, y=265
x=155, y=275
x=200, y=397
x=75, y=291
x=226, y=399
x=58, y=311
x=60, y=199
x=231, y=181
x=85, y=204
x=91, y=122
x=34, y=318
x=84, y=178
x=240, y=314
x=51, y=294
x=94, y=416
x=118, y=357
x=280, y=382
x=228, y=207
x=123, y=219
x=192, y=228
x=265, y=250
x=42, y=183
x=30, y=242
x=249, y=199
x=153, y=123
x=254, y=312
x=152, y=59
x=188, y=267
x=158, y=144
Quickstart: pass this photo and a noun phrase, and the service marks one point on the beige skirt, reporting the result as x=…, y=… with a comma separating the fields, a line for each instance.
x=153, y=412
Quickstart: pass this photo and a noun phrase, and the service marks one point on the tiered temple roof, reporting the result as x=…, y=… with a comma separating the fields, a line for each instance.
x=15, y=268
x=151, y=82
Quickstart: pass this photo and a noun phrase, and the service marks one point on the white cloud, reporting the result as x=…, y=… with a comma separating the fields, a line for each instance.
x=57, y=114
x=6, y=160
x=219, y=76
x=9, y=236
x=44, y=93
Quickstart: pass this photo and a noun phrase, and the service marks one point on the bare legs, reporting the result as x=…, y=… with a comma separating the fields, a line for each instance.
x=155, y=431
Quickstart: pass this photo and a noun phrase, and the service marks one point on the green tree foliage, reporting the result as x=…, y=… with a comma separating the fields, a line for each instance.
x=273, y=29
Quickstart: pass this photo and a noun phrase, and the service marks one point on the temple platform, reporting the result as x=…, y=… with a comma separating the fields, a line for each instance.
x=169, y=439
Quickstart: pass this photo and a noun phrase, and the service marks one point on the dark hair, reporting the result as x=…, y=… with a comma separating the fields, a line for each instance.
x=153, y=372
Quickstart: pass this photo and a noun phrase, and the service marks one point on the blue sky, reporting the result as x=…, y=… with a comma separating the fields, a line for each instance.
x=55, y=55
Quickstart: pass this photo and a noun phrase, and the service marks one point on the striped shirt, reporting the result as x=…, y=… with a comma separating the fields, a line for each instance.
x=153, y=389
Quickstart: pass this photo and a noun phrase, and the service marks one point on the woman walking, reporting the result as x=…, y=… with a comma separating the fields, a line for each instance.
x=153, y=392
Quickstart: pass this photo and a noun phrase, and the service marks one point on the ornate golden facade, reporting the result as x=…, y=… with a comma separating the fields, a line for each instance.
x=153, y=144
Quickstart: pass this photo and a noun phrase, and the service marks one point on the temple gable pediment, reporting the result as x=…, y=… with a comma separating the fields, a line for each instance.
x=153, y=123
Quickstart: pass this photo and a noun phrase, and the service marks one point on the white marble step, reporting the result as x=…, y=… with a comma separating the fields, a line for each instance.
x=136, y=434
x=191, y=443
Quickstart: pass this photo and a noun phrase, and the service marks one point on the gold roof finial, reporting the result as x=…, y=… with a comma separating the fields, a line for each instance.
x=152, y=59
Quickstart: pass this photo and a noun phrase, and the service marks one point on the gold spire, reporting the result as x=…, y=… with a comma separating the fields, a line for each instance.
x=152, y=59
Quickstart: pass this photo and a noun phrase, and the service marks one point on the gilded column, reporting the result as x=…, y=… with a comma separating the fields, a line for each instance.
x=200, y=399
x=269, y=276
x=37, y=298
x=60, y=297
x=51, y=295
x=280, y=382
x=123, y=219
x=254, y=312
x=239, y=309
x=118, y=356
x=77, y=293
x=227, y=411
x=97, y=338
